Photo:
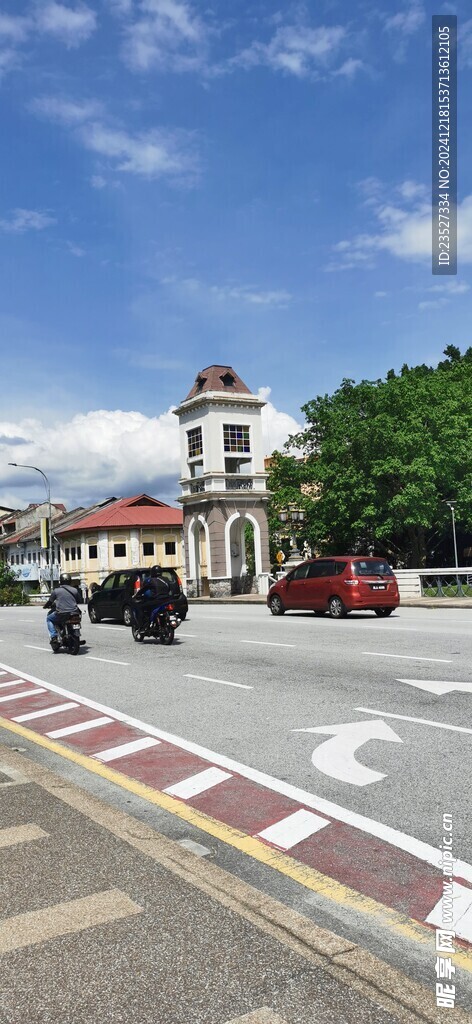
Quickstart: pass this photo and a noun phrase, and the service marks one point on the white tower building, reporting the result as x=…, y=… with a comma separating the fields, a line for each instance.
x=223, y=484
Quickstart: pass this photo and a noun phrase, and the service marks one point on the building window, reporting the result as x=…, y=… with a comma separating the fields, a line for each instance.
x=67, y=554
x=148, y=548
x=29, y=556
x=34, y=556
x=17, y=559
x=236, y=438
x=195, y=442
x=22, y=559
x=12, y=560
x=93, y=552
x=119, y=550
x=72, y=554
x=79, y=552
x=169, y=547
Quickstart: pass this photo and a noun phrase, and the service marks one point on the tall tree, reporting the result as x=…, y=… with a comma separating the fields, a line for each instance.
x=383, y=457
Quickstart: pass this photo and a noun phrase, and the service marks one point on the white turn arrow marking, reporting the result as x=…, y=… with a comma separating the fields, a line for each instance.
x=437, y=686
x=335, y=757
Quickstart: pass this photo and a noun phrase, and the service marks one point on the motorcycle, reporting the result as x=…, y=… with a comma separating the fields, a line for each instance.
x=68, y=634
x=161, y=625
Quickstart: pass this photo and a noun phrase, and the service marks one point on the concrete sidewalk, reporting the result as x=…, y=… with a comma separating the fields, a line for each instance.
x=105, y=920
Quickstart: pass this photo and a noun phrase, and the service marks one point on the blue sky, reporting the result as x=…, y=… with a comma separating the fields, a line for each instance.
x=183, y=184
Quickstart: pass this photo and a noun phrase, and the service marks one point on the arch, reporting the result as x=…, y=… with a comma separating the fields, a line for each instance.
x=257, y=541
x=202, y=520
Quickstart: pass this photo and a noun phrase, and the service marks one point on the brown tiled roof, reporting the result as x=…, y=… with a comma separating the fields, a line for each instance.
x=218, y=378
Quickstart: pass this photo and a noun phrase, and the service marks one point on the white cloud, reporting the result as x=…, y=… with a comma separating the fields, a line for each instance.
x=66, y=111
x=295, y=49
x=103, y=452
x=350, y=67
x=403, y=25
x=152, y=154
x=403, y=229
x=26, y=220
x=71, y=25
x=75, y=250
x=13, y=28
x=239, y=294
x=167, y=34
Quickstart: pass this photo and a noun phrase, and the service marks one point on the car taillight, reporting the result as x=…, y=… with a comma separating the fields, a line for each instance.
x=137, y=584
x=351, y=581
x=179, y=581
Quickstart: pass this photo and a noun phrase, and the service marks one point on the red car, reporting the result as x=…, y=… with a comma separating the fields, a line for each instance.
x=338, y=585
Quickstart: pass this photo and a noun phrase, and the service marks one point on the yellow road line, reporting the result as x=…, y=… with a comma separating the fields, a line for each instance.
x=309, y=877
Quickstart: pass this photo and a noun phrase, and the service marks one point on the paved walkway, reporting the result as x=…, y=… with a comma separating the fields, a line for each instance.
x=105, y=920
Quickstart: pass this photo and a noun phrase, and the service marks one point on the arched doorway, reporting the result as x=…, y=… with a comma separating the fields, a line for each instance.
x=243, y=552
x=199, y=555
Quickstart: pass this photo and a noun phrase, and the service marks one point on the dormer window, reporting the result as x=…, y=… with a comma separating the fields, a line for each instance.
x=227, y=380
x=200, y=381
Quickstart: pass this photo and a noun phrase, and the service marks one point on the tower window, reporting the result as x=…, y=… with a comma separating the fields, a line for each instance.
x=227, y=380
x=236, y=438
x=195, y=442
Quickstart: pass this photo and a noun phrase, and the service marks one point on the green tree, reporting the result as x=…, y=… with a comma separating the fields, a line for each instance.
x=383, y=457
x=11, y=591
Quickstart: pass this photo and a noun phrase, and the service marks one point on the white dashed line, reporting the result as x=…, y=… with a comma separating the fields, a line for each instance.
x=25, y=693
x=33, y=648
x=122, y=629
x=224, y=682
x=408, y=657
x=69, y=730
x=198, y=783
x=107, y=660
x=266, y=643
x=45, y=712
x=126, y=748
x=293, y=829
x=419, y=721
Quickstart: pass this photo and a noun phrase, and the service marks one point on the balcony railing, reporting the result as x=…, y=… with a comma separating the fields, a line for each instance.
x=239, y=483
x=197, y=487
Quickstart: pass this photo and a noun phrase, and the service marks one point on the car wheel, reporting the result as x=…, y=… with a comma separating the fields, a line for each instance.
x=383, y=612
x=276, y=605
x=93, y=616
x=337, y=608
x=319, y=615
x=127, y=615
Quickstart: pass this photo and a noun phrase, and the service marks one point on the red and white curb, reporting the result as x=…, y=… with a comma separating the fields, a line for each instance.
x=373, y=859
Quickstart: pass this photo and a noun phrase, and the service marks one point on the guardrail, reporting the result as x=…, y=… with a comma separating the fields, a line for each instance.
x=435, y=582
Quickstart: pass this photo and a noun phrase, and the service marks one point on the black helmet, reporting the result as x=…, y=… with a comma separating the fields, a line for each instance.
x=64, y=577
x=155, y=571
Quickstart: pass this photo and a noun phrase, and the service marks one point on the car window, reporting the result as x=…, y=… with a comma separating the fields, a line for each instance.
x=371, y=567
x=109, y=582
x=300, y=573
x=168, y=575
x=122, y=578
x=339, y=567
x=318, y=569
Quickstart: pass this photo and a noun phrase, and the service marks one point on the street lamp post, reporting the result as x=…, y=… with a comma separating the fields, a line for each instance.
x=452, y=505
x=292, y=515
x=20, y=465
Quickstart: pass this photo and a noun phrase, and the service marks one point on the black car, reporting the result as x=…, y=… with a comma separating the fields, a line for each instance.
x=112, y=599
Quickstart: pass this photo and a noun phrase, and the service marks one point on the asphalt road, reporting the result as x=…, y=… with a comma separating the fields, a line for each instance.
x=243, y=686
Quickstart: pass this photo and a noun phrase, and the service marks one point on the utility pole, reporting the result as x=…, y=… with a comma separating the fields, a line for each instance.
x=19, y=465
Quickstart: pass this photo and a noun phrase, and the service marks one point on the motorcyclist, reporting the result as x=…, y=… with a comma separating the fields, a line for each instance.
x=154, y=591
x=63, y=601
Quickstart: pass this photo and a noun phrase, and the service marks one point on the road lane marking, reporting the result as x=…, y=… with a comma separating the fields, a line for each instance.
x=293, y=829
x=310, y=878
x=121, y=629
x=409, y=657
x=32, y=647
x=266, y=643
x=401, y=840
x=437, y=686
x=224, y=682
x=69, y=730
x=192, y=635
x=461, y=899
x=126, y=748
x=3, y=673
x=64, y=919
x=198, y=783
x=337, y=756
x=18, y=696
x=46, y=711
x=20, y=834
x=420, y=721
x=11, y=682
x=107, y=660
